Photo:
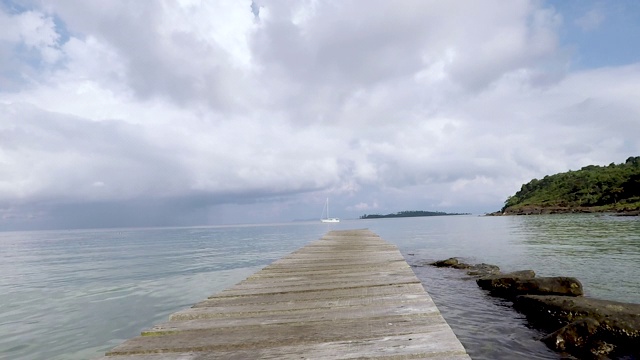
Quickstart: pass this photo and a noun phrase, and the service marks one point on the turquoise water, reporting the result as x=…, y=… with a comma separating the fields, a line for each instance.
x=76, y=294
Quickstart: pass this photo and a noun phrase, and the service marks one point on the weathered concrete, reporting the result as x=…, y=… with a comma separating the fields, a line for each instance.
x=348, y=295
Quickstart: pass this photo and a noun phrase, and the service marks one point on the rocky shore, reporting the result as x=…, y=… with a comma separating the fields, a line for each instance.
x=545, y=210
x=584, y=327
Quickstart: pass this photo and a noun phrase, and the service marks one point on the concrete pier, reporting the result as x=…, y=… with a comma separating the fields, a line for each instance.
x=349, y=295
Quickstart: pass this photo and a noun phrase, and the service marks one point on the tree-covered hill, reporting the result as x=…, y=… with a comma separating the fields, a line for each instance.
x=615, y=187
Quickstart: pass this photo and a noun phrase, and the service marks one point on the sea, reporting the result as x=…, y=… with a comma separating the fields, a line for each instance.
x=75, y=294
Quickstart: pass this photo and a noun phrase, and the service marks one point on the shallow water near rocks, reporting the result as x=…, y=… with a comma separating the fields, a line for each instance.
x=602, y=251
x=488, y=326
x=76, y=294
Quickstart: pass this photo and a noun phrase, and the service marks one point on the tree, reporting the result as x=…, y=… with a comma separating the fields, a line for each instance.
x=604, y=186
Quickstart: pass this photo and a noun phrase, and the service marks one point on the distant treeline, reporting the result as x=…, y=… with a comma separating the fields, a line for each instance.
x=409, y=214
x=613, y=187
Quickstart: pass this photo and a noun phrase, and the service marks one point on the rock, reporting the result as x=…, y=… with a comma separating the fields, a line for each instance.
x=586, y=328
x=483, y=270
x=581, y=339
x=450, y=262
x=461, y=266
x=522, y=274
x=557, y=285
x=510, y=285
x=544, y=210
x=575, y=337
x=617, y=329
x=503, y=282
x=474, y=270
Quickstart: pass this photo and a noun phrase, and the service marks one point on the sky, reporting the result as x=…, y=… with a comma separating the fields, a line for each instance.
x=176, y=113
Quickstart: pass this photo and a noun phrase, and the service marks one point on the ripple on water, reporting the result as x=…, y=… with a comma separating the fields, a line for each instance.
x=488, y=327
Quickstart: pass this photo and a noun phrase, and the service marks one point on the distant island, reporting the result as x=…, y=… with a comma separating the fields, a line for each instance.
x=611, y=188
x=402, y=214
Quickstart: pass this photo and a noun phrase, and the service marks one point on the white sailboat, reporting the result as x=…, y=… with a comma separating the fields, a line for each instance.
x=327, y=219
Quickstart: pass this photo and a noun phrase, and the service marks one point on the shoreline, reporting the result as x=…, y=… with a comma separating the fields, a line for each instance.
x=551, y=210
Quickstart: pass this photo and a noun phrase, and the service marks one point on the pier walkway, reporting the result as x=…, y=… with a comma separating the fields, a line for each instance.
x=349, y=295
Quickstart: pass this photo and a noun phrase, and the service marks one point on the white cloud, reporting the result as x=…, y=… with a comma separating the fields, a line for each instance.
x=29, y=44
x=189, y=106
x=34, y=30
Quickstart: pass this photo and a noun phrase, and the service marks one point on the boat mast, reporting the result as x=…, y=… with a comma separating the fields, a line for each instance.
x=327, y=208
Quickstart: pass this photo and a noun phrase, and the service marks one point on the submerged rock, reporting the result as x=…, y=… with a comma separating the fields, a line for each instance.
x=461, y=266
x=473, y=270
x=590, y=327
x=483, y=270
x=450, y=262
x=579, y=338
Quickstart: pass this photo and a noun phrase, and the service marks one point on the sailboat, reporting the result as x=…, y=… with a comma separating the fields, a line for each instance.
x=327, y=219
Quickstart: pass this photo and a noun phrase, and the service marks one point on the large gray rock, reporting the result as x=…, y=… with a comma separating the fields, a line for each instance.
x=451, y=262
x=556, y=285
x=483, y=270
x=572, y=336
x=590, y=327
x=473, y=270
x=446, y=263
x=580, y=338
x=522, y=274
x=502, y=282
x=510, y=285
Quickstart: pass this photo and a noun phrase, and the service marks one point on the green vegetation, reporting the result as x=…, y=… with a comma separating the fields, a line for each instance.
x=602, y=188
x=408, y=214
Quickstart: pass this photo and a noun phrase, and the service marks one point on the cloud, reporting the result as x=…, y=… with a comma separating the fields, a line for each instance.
x=28, y=44
x=591, y=20
x=189, y=53
x=364, y=207
x=191, y=112
x=52, y=155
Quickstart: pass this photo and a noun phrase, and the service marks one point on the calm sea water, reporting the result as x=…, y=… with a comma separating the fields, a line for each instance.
x=76, y=294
